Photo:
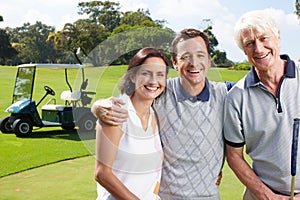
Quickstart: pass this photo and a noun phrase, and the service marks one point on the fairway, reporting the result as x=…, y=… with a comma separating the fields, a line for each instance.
x=70, y=179
x=56, y=164
x=73, y=179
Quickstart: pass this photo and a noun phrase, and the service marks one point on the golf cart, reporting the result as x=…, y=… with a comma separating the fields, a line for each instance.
x=24, y=110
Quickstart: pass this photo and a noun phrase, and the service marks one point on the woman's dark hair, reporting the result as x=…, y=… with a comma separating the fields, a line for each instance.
x=126, y=85
x=187, y=34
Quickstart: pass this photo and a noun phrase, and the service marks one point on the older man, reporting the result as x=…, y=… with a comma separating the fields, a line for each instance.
x=260, y=109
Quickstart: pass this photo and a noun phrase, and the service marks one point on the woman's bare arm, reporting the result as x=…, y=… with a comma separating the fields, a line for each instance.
x=107, y=142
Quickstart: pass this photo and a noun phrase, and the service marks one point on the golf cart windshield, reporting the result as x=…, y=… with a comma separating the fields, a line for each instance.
x=24, y=84
x=26, y=74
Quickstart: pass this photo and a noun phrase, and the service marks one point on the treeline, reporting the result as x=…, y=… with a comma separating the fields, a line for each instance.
x=106, y=37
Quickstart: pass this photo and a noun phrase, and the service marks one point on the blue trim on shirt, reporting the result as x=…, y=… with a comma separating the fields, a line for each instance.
x=182, y=95
x=229, y=84
x=289, y=72
x=232, y=144
x=253, y=80
x=204, y=94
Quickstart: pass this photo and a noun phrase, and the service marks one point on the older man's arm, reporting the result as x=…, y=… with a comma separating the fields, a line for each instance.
x=238, y=164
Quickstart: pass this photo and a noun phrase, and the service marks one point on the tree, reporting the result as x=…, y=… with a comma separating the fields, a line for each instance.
x=86, y=34
x=135, y=18
x=104, y=23
x=6, y=49
x=137, y=30
x=297, y=5
x=104, y=13
x=1, y=18
x=30, y=42
x=119, y=48
x=212, y=39
x=219, y=58
x=83, y=34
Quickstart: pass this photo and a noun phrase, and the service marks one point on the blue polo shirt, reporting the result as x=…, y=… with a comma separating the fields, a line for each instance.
x=264, y=123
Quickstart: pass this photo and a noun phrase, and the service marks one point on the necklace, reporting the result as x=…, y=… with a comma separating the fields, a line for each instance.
x=144, y=119
x=143, y=116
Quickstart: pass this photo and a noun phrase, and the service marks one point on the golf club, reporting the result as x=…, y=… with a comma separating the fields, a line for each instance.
x=294, y=154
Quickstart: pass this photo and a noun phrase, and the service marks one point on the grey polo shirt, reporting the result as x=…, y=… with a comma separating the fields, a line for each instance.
x=264, y=123
x=191, y=135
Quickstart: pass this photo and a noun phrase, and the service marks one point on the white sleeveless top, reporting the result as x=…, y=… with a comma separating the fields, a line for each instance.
x=139, y=159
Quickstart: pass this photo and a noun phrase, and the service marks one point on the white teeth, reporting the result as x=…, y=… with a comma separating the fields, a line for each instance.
x=263, y=56
x=196, y=71
x=151, y=88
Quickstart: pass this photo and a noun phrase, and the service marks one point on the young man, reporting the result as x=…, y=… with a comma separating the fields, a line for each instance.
x=260, y=109
x=190, y=116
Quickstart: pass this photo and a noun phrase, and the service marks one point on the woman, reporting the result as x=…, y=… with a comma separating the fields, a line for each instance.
x=129, y=158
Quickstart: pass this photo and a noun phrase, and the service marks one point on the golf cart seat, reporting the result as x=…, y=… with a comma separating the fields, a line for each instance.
x=55, y=107
x=70, y=96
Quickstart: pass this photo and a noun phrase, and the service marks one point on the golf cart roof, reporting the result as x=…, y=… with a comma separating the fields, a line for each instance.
x=52, y=66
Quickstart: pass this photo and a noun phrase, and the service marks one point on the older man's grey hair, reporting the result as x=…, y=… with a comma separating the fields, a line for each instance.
x=259, y=20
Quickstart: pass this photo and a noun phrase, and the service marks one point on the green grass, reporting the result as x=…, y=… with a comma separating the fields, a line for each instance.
x=44, y=146
x=41, y=148
x=70, y=179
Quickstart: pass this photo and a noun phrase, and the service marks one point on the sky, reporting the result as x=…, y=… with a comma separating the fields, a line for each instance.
x=178, y=14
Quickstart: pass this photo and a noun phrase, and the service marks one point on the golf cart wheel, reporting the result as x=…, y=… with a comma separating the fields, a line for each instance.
x=5, y=125
x=22, y=128
x=87, y=123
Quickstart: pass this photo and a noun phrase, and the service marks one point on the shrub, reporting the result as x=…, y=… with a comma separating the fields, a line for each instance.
x=241, y=66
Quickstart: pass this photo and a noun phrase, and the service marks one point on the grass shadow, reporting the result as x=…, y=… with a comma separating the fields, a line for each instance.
x=74, y=135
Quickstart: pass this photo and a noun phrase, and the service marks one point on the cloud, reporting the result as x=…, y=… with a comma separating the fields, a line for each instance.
x=223, y=30
x=284, y=20
x=190, y=13
x=51, y=13
x=179, y=14
x=182, y=14
x=132, y=5
x=289, y=27
x=31, y=16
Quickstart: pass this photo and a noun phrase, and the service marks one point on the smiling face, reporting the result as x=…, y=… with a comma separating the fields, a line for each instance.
x=192, y=62
x=150, y=79
x=261, y=47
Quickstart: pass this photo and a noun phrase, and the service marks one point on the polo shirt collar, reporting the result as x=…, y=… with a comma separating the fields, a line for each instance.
x=182, y=95
x=290, y=72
